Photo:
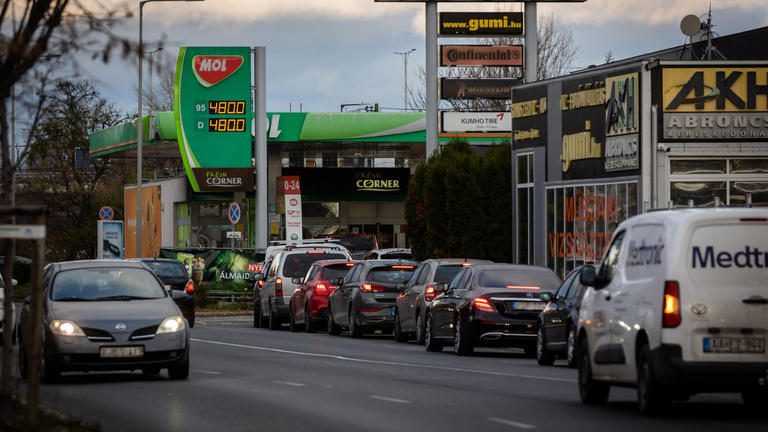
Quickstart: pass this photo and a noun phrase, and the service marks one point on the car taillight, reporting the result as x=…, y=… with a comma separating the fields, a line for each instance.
x=190, y=288
x=483, y=304
x=369, y=287
x=278, y=287
x=260, y=284
x=429, y=293
x=524, y=287
x=671, y=316
x=321, y=289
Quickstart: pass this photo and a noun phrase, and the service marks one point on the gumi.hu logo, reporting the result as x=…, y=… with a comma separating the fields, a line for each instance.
x=213, y=69
x=373, y=182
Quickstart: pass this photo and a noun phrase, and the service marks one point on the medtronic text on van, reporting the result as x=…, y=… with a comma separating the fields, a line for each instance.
x=750, y=257
x=644, y=255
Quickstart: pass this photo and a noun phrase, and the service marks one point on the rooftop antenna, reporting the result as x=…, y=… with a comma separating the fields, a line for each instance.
x=708, y=28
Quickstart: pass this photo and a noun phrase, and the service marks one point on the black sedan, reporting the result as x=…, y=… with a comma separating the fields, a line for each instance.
x=175, y=277
x=493, y=305
x=365, y=299
x=106, y=315
x=558, y=320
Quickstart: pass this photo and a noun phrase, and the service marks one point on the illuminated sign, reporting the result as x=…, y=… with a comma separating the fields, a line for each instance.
x=213, y=117
x=480, y=23
x=478, y=55
x=714, y=103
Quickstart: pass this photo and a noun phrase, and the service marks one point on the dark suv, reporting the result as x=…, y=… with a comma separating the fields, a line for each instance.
x=174, y=276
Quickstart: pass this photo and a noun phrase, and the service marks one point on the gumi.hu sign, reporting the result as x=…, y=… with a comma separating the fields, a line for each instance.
x=715, y=103
x=579, y=146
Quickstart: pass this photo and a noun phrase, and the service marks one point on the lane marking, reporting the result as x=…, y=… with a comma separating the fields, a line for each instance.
x=512, y=423
x=289, y=383
x=207, y=372
x=389, y=399
x=388, y=363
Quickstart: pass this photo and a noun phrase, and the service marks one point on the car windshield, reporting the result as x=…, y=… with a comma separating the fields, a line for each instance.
x=104, y=284
x=297, y=264
x=167, y=269
x=445, y=273
x=391, y=274
x=335, y=271
x=510, y=278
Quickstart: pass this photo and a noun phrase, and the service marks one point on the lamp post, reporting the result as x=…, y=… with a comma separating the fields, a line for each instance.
x=405, y=55
x=140, y=126
x=151, y=96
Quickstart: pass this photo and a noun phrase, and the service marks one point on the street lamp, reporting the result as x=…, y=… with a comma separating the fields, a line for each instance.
x=405, y=55
x=151, y=96
x=140, y=126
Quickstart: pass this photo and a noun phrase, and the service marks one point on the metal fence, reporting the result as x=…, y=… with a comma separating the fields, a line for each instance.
x=230, y=297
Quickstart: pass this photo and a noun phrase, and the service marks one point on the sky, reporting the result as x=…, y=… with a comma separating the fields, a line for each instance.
x=325, y=53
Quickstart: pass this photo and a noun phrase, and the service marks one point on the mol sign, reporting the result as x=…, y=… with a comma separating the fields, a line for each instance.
x=214, y=117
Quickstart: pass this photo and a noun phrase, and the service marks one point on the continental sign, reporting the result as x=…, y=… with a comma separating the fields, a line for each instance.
x=480, y=23
x=493, y=88
x=717, y=103
x=478, y=55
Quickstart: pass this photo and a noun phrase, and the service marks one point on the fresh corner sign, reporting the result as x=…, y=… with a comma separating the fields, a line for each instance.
x=213, y=117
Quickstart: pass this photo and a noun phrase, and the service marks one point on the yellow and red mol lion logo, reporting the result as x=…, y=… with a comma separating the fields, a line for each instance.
x=213, y=69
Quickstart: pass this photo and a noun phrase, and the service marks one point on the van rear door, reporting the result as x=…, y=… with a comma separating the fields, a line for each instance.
x=724, y=304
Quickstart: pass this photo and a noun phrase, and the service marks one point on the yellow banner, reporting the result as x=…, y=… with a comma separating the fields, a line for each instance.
x=715, y=89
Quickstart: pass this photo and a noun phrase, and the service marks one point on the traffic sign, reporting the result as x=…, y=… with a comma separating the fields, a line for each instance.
x=106, y=213
x=233, y=213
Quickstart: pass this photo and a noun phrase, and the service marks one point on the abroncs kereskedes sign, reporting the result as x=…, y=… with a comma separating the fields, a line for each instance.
x=214, y=118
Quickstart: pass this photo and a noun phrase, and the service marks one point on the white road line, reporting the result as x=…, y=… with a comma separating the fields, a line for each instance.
x=289, y=383
x=389, y=399
x=207, y=372
x=512, y=423
x=388, y=363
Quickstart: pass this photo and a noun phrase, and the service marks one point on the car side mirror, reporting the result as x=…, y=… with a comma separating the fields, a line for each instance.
x=589, y=277
x=178, y=294
x=547, y=297
x=441, y=288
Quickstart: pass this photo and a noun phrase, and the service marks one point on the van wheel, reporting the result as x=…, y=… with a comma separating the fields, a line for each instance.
x=274, y=323
x=333, y=328
x=429, y=340
x=570, y=350
x=651, y=398
x=591, y=392
x=543, y=357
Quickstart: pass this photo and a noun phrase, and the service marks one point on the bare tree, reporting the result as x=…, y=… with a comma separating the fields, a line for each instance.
x=555, y=49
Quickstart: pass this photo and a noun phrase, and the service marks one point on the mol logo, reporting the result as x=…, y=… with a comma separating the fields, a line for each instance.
x=213, y=69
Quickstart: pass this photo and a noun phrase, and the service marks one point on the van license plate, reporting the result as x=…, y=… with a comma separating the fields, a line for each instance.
x=735, y=345
x=124, y=351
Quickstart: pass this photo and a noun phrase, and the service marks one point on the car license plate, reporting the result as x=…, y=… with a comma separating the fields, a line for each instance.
x=533, y=305
x=736, y=345
x=121, y=351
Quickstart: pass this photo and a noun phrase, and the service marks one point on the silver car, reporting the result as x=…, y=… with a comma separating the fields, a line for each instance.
x=106, y=315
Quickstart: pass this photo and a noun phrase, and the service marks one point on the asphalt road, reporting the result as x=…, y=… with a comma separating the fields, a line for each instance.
x=246, y=379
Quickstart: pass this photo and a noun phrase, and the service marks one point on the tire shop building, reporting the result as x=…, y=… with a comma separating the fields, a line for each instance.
x=596, y=147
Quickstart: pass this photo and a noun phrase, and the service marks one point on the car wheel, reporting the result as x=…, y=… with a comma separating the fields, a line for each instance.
x=420, y=331
x=651, y=396
x=399, y=335
x=256, y=315
x=292, y=320
x=755, y=398
x=591, y=392
x=570, y=350
x=180, y=371
x=543, y=357
x=151, y=371
x=51, y=371
x=355, y=329
x=429, y=341
x=333, y=328
x=308, y=326
x=462, y=339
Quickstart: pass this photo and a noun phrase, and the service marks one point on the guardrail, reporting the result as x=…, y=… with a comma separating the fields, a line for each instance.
x=230, y=297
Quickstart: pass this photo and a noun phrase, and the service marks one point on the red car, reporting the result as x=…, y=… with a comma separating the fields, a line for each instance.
x=309, y=302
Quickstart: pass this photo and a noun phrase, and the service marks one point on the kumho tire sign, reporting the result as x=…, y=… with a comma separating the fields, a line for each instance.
x=214, y=117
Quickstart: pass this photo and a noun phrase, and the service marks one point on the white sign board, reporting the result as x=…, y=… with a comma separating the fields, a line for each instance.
x=454, y=121
x=22, y=232
x=237, y=235
x=293, y=224
x=110, y=240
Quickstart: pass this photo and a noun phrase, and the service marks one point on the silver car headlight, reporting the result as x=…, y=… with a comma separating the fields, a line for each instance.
x=66, y=328
x=172, y=324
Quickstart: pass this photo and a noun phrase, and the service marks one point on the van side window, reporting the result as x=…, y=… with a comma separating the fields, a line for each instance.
x=611, y=262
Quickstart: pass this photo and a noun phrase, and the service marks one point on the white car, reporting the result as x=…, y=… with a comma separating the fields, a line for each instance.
x=10, y=323
x=678, y=306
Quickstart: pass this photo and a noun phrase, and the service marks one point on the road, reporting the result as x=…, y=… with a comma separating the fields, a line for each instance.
x=246, y=379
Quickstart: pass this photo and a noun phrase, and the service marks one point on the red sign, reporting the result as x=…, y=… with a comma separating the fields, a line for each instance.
x=289, y=185
x=255, y=267
x=213, y=69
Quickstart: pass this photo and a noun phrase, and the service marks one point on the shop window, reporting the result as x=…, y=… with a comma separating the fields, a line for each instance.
x=525, y=206
x=749, y=166
x=210, y=209
x=695, y=166
x=330, y=160
x=743, y=180
x=320, y=209
x=756, y=192
x=697, y=194
x=296, y=159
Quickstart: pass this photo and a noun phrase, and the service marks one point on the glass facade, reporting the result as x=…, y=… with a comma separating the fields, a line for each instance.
x=581, y=220
x=525, y=207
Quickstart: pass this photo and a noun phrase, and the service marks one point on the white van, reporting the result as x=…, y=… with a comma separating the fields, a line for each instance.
x=678, y=306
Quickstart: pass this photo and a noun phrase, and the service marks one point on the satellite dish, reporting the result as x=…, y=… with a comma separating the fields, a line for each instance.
x=690, y=25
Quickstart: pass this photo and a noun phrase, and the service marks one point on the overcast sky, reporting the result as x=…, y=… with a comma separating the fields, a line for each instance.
x=324, y=53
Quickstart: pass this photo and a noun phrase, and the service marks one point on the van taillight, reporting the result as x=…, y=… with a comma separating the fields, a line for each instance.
x=429, y=293
x=260, y=284
x=482, y=304
x=278, y=287
x=671, y=316
x=190, y=288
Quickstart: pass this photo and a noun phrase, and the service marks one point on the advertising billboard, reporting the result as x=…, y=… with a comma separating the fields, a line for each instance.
x=481, y=55
x=463, y=121
x=472, y=24
x=477, y=88
x=529, y=116
x=151, y=226
x=109, y=239
x=214, y=117
x=361, y=184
